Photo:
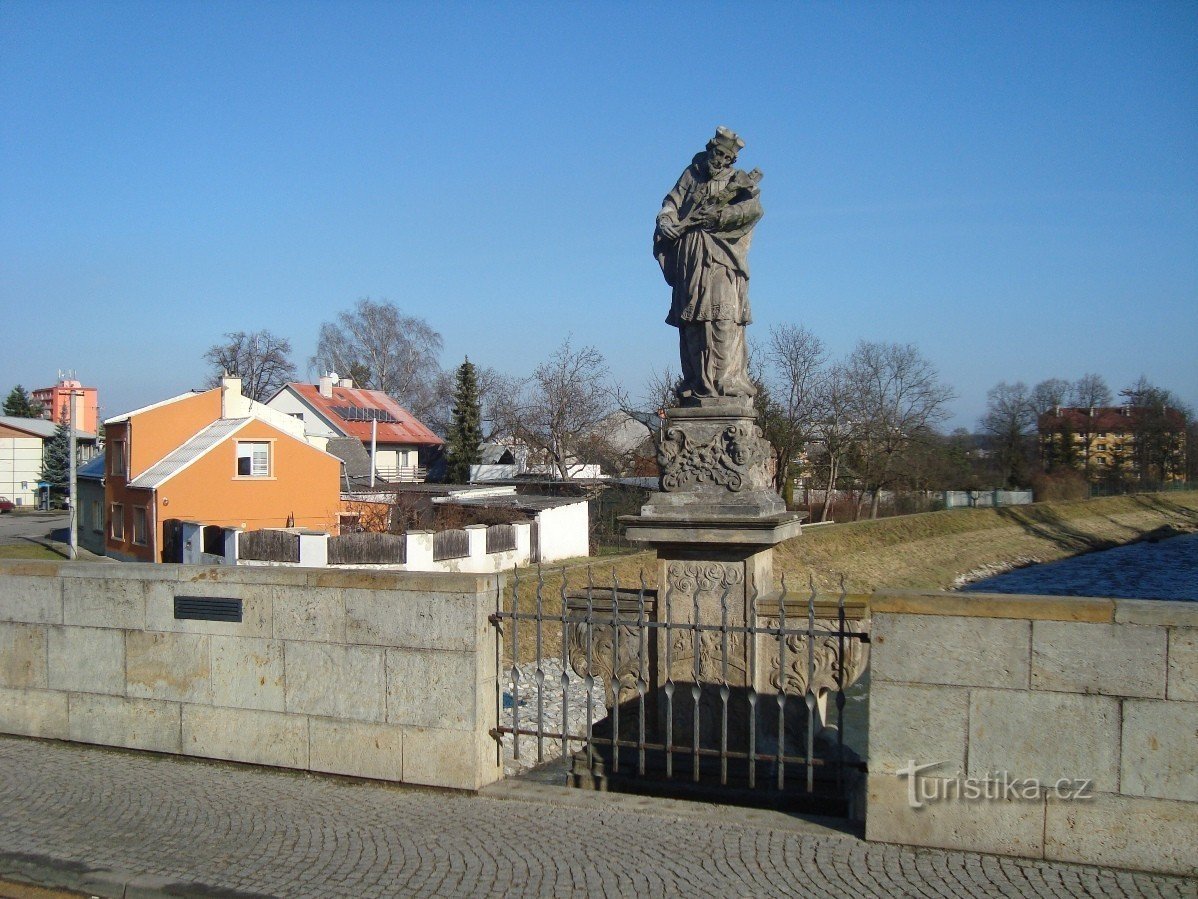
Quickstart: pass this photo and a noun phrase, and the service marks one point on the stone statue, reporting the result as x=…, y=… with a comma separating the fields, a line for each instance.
x=702, y=244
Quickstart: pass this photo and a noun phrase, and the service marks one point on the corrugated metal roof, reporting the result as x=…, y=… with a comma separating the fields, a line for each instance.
x=405, y=428
x=93, y=470
x=174, y=462
x=39, y=427
x=174, y=399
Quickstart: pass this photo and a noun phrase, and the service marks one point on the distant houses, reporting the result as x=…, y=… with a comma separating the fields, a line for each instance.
x=1115, y=443
x=217, y=458
x=397, y=444
x=215, y=477
x=22, y=450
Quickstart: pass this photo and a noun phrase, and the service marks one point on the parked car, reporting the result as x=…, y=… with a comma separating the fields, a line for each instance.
x=6, y=504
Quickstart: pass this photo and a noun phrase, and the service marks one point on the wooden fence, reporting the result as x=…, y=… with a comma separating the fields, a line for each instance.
x=268, y=546
x=501, y=538
x=451, y=545
x=368, y=549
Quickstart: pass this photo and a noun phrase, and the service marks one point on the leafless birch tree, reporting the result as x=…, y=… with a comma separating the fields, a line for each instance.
x=259, y=358
x=396, y=353
x=789, y=405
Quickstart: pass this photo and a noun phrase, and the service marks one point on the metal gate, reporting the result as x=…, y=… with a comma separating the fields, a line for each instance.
x=633, y=691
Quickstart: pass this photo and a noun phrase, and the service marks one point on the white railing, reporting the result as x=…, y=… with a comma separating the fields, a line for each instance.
x=406, y=474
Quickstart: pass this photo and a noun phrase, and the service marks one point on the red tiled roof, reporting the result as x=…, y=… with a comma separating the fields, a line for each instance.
x=1105, y=418
x=401, y=426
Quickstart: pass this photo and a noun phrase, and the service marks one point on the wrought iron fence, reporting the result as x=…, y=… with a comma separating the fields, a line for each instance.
x=708, y=685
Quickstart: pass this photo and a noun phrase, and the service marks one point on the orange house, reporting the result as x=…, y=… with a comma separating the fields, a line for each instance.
x=215, y=457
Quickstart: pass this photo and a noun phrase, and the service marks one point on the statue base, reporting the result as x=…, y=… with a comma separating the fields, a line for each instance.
x=714, y=464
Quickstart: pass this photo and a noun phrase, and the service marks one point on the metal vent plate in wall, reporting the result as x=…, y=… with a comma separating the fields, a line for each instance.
x=207, y=608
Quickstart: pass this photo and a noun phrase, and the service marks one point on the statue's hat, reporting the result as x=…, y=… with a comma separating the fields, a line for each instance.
x=728, y=138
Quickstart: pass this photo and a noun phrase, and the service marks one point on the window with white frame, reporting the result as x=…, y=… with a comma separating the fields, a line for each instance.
x=117, y=520
x=97, y=516
x=253, y=459
x=140, y=528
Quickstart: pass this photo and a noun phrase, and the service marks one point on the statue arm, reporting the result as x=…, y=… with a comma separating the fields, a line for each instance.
x=738, y=216
x=669, y=217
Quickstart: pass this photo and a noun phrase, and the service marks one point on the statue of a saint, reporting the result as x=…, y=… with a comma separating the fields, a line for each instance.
x=702, y=244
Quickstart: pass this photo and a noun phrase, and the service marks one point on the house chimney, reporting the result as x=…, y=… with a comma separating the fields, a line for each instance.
x=327, y=380
x=348, y=383
x=230, y=392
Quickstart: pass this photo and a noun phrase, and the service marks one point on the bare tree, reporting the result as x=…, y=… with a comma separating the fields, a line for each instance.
x=393, y=352
x=558, y=411
x=1050, y=393
x=259, y=358
x=495, y=390
x=661, y=389
x=790, y=404
x=1157, y=420
x=1010, y=420
x=897, y=398
x=835, y=429
x=1090, y=391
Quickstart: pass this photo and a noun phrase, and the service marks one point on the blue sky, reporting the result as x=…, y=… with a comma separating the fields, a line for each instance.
x=1012, y=187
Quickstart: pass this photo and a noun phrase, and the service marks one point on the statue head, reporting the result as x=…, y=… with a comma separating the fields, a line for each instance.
x=722, y=150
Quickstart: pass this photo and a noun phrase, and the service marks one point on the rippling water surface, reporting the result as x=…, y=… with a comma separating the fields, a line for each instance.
x=1167, y=569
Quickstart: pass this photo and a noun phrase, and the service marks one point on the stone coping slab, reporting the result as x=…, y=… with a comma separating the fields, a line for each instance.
x=1038, y=608
x=736, y=531
x=408, y=581
x=996, y=605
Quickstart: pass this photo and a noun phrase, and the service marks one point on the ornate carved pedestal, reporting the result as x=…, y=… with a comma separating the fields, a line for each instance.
x=714, y=526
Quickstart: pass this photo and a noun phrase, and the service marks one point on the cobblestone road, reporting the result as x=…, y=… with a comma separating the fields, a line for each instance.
x=129, y=824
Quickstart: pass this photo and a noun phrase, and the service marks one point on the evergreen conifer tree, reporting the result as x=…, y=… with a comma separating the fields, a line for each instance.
x=56, y=461
x=465, y=434
x=19, y=404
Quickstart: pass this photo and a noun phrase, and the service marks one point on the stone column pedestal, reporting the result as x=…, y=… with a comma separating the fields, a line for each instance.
x=714, y=526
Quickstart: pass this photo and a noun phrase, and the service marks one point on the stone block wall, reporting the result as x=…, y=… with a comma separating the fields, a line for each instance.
x=382, y=675
x=1001, y=695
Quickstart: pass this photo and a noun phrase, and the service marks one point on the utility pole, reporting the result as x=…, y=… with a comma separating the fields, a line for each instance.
x=73, y=494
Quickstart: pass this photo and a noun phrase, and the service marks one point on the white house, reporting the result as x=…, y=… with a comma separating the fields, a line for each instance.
x=22, y=446
x=333, y=407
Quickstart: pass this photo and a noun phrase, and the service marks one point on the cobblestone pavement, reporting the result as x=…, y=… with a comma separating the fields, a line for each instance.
x=115, y=823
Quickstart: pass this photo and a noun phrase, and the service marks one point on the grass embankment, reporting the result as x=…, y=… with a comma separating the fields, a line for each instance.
x=933, y=550
x=30, y=551
x=940, y=550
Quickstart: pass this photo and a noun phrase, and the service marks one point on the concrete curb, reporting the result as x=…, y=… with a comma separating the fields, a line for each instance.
x=519, y=790
x=63, y=874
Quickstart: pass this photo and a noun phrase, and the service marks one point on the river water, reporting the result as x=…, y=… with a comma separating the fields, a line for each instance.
x=1166, y=569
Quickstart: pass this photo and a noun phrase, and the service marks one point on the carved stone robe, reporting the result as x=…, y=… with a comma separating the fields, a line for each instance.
x=709, y=274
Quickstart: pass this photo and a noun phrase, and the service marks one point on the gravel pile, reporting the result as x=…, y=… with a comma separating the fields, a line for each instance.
x=576, y=693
